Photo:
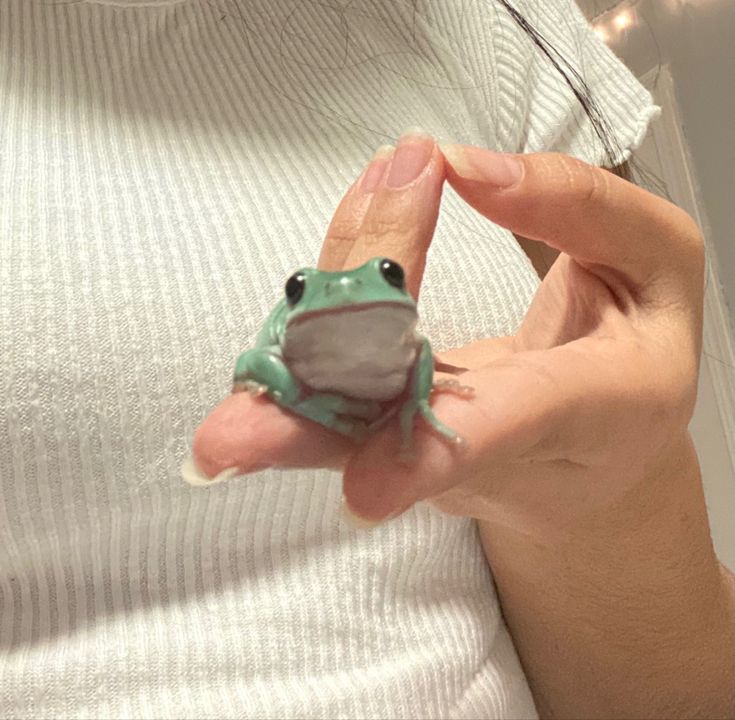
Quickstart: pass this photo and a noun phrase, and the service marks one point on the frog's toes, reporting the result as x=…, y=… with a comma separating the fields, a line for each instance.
x=352, y=427
x=454, y=387
x=348, y=407
x=437, y=425
x=255, y=388
x=369, y=410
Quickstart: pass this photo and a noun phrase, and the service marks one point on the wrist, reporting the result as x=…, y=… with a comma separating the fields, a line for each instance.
x=662, y=512
x=627, y=614
x=559, y=503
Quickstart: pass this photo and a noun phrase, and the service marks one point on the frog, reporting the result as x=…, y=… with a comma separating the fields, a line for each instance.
x=342, y=349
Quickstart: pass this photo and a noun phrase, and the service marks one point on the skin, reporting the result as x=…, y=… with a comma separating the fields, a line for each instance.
x=579, y=467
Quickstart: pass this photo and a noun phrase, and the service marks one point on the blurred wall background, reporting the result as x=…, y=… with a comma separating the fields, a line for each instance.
x=696, y=39
x=683, y=51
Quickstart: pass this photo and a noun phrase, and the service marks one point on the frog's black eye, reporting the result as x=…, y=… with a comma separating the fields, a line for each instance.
x=295, y=288
x=393, y=273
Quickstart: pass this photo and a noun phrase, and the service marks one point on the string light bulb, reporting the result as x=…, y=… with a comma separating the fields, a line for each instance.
x=623, y=20
x=601, y=33
x=614, y=21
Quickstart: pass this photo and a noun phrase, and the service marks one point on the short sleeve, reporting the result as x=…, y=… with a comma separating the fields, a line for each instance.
x=539, y=110
x=517, y=88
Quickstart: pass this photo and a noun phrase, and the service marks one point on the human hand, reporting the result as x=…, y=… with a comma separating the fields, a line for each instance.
x=390, y=211
x=580, y=404
x=580, y=468
x=597, y=386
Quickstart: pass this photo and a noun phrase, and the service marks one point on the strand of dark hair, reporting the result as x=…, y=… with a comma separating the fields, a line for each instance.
x=576, y=83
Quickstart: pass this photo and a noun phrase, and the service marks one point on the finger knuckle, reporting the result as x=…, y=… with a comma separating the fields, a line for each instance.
x=686, y=244
x=583, y=183
x=684, y=220
x=341, y=232
x=689, y=231
x=672, y=387
x=387, y=224
x=676, y=399
x=383, y=232
x=589, y=185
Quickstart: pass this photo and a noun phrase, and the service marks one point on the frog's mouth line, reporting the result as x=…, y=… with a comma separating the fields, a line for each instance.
x=356, y=308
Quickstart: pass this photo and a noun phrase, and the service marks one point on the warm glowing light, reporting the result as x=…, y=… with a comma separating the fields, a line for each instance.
x=624, y=19
x=601, y=33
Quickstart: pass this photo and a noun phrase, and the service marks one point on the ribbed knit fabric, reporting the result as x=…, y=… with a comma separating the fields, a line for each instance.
x=163, y=168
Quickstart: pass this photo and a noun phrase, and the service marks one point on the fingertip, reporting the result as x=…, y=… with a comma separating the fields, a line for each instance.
x=191, y=474
x=410, y=161
x=380, y=482
x=221, y=441
x=416, y=131
x=452, y=154
x=376, y=170
x=495, y=170
x=384, y=151
x=355, y=521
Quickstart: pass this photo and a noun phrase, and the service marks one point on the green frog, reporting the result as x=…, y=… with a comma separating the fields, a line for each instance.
x=341, y=348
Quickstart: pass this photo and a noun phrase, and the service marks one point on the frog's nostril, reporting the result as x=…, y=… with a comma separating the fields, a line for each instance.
x=344, y=284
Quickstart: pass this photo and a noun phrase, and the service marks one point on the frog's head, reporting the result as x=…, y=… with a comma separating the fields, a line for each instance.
x=378, y=283
x=351, y=332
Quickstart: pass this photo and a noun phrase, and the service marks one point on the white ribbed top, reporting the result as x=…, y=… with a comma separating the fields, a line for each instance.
x=163, y=167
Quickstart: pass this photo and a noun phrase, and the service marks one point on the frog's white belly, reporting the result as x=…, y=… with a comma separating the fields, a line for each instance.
x=366, y=353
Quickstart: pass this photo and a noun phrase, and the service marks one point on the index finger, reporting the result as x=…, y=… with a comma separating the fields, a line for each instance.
x=244, y=434
x=392, y=211
x=587, y=212
x=344, y=229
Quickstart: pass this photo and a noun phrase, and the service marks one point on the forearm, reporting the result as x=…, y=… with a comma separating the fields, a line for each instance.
x=629, y=614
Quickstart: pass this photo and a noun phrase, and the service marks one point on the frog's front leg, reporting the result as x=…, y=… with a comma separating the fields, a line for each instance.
x=418, y=401
x=262, y=370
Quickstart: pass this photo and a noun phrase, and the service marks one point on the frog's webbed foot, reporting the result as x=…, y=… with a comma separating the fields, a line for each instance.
x=438, y=426
x=358, y=430
x=454, y=387
x=255, y=388
x=340, y=405
x=407, y=415
x=345, y=415
x=368, y=410
x=353, y=428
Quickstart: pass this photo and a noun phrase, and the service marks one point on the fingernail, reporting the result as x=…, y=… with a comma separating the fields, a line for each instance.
x=194, y=476
x=501, y=170
x=412, y=154
x=355, y=521
x=376, y=168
